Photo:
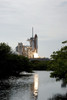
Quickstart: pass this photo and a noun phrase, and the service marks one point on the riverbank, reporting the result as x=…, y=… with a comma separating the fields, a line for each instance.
x=22, y=88
x=12, y=64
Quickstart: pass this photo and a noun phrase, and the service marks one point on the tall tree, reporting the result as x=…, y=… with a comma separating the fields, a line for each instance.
x=59, y=63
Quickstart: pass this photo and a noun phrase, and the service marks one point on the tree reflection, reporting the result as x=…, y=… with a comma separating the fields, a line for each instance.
x=64, y=84
x=59, y=97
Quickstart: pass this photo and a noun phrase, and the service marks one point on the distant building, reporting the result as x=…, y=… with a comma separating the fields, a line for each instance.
x=31, y=50
x=19, y=48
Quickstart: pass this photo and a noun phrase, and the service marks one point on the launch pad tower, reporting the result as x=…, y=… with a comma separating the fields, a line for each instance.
x=30, y=51
x=34, y=42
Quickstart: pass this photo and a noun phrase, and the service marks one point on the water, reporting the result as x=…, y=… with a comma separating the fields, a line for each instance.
x=36, y=87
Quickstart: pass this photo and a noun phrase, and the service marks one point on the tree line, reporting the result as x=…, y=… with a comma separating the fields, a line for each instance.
x=10, y=63
x=13, y=64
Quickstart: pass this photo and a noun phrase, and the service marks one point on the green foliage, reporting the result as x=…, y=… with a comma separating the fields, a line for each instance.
x=59, y=63
x=12, y=64
x=4, y=48
x=39, y=65
x=64, y=42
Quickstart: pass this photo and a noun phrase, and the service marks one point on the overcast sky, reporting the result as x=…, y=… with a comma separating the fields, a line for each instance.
x=48, y=17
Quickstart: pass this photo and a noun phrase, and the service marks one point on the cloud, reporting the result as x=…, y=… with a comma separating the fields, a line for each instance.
x=48, y=17
x=63, y=4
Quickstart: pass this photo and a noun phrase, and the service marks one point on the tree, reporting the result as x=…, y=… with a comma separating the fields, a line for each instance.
x=12, y=64
x=4, y=50
x=59, y=63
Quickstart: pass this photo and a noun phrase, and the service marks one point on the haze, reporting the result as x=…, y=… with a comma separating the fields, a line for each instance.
x=48, y=17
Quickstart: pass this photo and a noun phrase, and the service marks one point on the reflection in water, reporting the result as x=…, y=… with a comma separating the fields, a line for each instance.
x=16, y=88
x=36, y=85
x=24, y=88
x=64, y=84
x=59, y=97
x=33, y=88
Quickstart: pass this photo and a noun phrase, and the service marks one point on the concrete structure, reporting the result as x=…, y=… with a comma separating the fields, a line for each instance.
x=31, y=50
x=19, y=48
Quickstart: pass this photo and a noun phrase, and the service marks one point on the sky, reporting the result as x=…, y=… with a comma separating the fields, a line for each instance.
x=47, y=17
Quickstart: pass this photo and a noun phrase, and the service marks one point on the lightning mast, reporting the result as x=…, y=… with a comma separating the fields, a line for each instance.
x=32, y=32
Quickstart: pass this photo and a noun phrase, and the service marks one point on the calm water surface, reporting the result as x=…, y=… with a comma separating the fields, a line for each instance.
x=39, y=86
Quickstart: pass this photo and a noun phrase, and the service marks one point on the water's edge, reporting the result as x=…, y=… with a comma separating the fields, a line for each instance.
x=38, y=86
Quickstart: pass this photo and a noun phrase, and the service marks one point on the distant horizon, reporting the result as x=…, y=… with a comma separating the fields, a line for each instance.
x=13, y=49
x=47, y=17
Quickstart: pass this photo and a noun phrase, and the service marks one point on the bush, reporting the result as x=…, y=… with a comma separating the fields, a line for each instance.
x=12, y=64
x=59, y=63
